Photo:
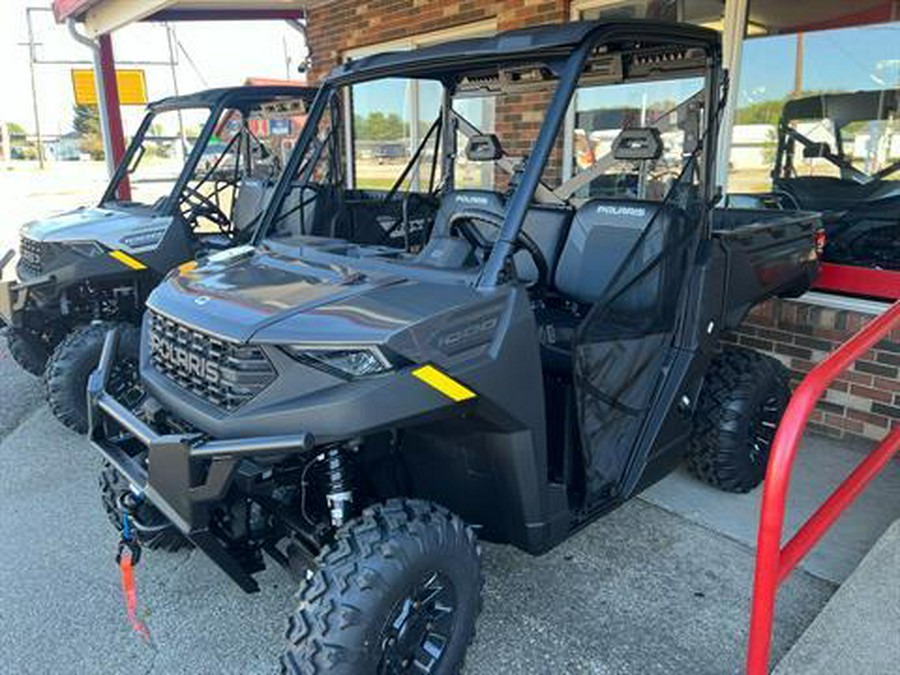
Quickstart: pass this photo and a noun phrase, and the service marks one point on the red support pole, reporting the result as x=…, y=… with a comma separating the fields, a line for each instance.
x=819, y=523
x=113, y=111
x=773, y=563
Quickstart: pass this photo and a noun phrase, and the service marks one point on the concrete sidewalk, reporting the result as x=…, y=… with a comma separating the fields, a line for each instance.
x=859, y=630
x=643, y=590
x=821, y=465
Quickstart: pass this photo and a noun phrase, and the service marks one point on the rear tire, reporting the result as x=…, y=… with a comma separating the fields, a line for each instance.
x=401, y=583
x=27, y=350
x=742, y=401
x=76, y=357
x=113, y=489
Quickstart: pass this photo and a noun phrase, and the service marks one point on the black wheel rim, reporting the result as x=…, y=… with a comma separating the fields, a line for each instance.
x=418, y=630
x=762, y=434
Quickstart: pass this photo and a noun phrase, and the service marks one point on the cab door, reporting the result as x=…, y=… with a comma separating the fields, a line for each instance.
x=624, y=356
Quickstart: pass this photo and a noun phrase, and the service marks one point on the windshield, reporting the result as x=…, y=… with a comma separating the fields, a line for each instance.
x=390, y=164
x=389, y=156
x=861, y=150
x=603, y=113
x=159, y=151
x=224, y=184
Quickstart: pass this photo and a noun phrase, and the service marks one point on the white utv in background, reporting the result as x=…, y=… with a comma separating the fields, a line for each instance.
x=81, y=272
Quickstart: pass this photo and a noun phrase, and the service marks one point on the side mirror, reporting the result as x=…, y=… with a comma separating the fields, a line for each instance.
x=484, y=148
x=814, y=150
x=639, y=144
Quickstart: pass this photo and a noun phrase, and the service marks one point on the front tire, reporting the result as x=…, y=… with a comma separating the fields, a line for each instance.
x=157, y=532
x=76, y=357
x=741, y=404
x=27, y=350
x=398, y=591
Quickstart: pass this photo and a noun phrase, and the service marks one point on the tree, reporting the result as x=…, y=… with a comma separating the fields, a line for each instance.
x=86, y=123
x=762, y=112
x=380, y=127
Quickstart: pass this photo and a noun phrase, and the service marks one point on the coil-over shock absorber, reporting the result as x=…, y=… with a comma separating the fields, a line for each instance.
x=340, y=488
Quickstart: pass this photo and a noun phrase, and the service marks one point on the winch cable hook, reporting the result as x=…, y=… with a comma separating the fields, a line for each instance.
x=127, y=558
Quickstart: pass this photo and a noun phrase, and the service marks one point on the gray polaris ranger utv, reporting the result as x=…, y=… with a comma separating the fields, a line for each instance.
x=484, y=346
x=83, y=271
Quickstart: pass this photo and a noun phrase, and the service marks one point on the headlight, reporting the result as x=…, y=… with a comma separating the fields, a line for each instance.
x=348, y=361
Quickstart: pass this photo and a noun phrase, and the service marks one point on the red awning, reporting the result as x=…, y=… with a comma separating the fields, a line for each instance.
x=103, y=15
x=71, y=9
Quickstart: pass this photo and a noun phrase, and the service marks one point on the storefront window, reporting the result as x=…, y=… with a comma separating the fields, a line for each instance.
x=782, y=68
x=817, y=123
x=704, y=12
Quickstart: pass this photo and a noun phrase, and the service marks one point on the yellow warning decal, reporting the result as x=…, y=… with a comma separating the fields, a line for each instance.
x=126, y=259
x=189, y=266
x=444, y=383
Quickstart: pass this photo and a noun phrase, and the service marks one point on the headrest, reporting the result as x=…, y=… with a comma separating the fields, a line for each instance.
x=484, y=200
x=621, y=213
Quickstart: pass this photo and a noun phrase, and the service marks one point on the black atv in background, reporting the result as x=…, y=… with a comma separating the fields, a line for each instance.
x=79, y=273
x=383, y=373
x=851, y=176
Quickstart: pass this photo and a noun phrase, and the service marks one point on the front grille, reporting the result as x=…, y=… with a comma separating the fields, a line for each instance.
x=31, y=257
x=224, y=373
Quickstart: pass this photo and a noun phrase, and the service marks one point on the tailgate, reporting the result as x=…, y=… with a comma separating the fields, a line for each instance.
x=769, y=253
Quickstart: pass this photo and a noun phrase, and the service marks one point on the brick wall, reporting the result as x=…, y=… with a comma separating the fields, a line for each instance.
x=339, y=26
x=862, y=403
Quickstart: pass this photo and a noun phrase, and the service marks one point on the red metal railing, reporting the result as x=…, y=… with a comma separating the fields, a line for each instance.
x=859, y=281
x=774, y=563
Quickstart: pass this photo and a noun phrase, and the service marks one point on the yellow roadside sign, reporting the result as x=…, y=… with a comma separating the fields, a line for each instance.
x=132, y=87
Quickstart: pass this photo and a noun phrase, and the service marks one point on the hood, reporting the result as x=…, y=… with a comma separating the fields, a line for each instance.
x=239, y=292
x=105, y=225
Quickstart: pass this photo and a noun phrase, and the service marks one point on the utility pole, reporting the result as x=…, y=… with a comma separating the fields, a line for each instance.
x=798, y=67
x=287, y=57
x=170, y=38
x=32, y=59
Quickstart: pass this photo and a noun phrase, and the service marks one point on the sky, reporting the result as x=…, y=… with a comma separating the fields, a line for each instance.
x=223, y=54
x=848, y=59
x=226, y=53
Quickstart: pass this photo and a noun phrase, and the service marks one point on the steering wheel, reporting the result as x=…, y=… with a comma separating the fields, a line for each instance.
x=202, y=206
x=463, y=221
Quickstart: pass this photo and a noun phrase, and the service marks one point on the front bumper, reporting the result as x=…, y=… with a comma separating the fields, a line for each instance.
x=185, y=475
x=6, y=293
x=14, y=294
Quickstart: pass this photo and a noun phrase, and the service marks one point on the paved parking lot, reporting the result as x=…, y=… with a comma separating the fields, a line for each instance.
x=641, y=591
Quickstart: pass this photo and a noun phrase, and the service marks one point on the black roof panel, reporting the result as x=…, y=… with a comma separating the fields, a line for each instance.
x=233, y=96
x=856, y=106
x=537, y=41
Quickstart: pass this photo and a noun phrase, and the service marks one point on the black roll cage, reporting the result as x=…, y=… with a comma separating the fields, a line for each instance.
x=564, y=50
x=215, y=101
